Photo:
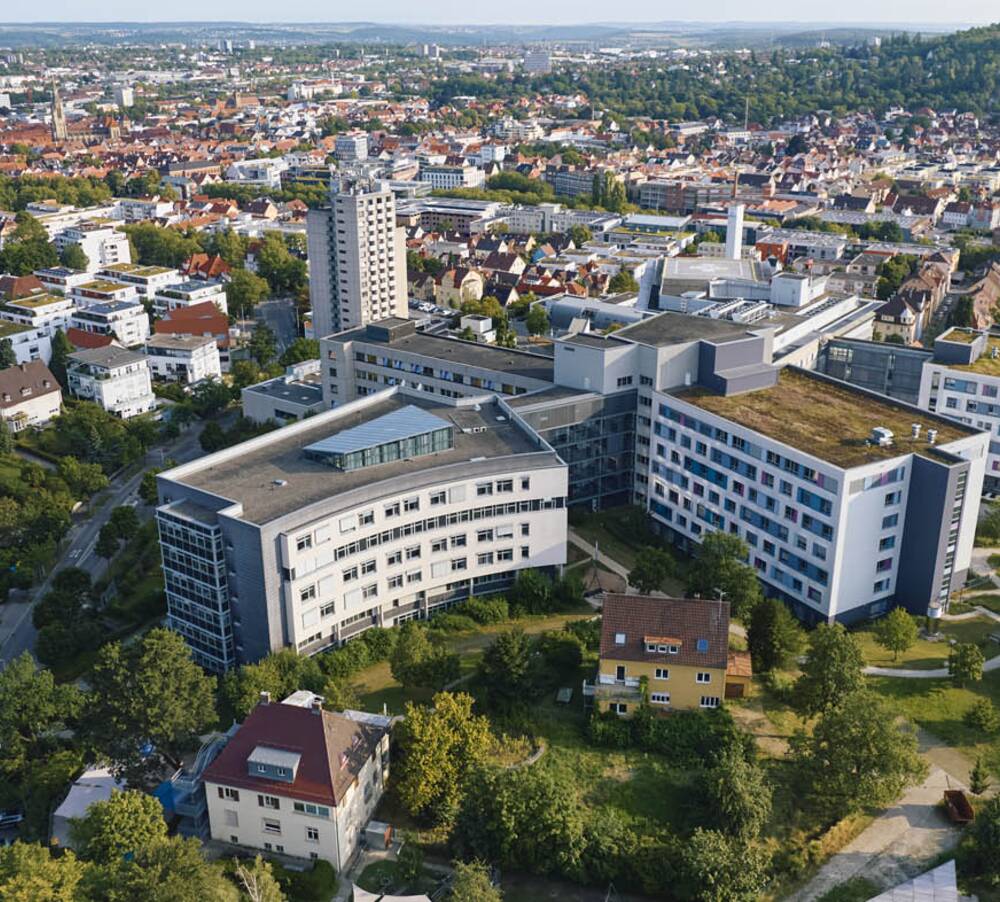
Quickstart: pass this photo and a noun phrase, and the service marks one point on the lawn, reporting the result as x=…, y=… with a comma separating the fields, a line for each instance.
x=927, y=655
x=938, y=707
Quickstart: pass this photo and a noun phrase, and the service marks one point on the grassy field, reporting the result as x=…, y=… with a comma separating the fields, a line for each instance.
x=927, y=655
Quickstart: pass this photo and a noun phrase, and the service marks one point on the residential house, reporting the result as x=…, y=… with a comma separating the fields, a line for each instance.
x=674, y=649
x=127, y=321
x=115, y=378
x=460, y=285
x=199, y=319
x=183, y=358
x=298, y=780
x=29, y=395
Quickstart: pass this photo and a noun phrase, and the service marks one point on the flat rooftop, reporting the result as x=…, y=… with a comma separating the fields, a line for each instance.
x=8, y=328
x=252, y=477
x=984, y=364
x=690, y=269
x=305, y=391
x=828, y=420
x=137, y=269
x=37, y=301
x=103, y=285
x=469, y=353
x=670, y=328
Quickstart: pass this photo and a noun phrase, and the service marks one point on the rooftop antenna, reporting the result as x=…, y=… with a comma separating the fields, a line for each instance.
x=746, y=114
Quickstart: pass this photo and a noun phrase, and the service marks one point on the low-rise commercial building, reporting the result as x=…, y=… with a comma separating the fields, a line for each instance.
x=293, y=396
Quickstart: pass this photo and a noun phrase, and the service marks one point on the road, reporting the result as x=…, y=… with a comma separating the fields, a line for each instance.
x=17, y=633
x=280, y=316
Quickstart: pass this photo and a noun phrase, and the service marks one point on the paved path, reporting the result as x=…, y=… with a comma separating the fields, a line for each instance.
x=897, y=845
x=602, y=558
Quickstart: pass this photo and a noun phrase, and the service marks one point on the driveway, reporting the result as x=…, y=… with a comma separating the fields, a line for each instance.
x=897, y=845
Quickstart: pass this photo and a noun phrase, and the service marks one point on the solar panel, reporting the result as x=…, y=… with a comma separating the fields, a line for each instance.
x=404, y=423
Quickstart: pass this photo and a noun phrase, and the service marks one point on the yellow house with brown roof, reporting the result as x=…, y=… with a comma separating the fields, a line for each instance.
x=674, y=649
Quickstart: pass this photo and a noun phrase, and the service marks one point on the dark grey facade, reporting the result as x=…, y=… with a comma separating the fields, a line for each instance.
x=889, y=369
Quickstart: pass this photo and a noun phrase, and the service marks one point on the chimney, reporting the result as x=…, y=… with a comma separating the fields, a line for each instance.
x=734, y=232
x=317, y=704
x=265, y=697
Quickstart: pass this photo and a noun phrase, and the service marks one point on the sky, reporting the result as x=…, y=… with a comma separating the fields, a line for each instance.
x=528, y=12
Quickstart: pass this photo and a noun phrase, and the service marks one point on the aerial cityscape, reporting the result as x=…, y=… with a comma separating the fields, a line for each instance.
x=542, y=460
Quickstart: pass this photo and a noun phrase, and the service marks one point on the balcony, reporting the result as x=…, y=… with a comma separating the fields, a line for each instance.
x=607, y=688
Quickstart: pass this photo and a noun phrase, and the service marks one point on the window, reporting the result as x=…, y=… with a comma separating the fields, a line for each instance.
x=619, y=638
x=438, y=498
x=703, y=677
x=458, y=541
x=312, y=834
x=709, y=701
x=412, y=552
x=702, y=646
x=271, y=826
x=483, y=560
x=411, y=504
x=659, y=698
x=525, y=551
x=484, y=535
x=366, y=518
x=484, y=488
x=349, y=574
x=890, y=521
x=618, y=708
x=369, y=591
x=525, y=529
x=662, y=673
x=326, y=610
x=505, y=485
x=271, y=802
x=414, y=576
x=392, y=510
x=505, y=554
x=226, y=793
x=393, y=558
x=458, y=563
x=308, y=593
x=309, y=808
x=525, y=483
x=232, y=818
x=396, y=582
x=304, y=542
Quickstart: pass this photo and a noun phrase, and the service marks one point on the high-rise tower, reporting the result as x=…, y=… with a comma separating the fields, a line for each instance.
x=58, y=116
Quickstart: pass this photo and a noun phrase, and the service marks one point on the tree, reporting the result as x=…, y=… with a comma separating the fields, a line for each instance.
x=279, y=674
x=119, y=827
x=107, y=542
x=28, y=873
x=622, y=281
x=439, y=747
x=984, y=833
x=531, y=592
x=720, y=868
x=979, y=777
x=963, y=313
x=125, y=521
x=472, y=883
x=149, y=702
x=506, y=669
x=537, y=320
x=896, y=632
x=579, y=235
x=83, y=479
x=245, y=291
x=148, y=491
x=300, y=350
x=738, y=794
x=212, y=437
x=6, y=439
x=285, y=273
x=653, y=567
x=74, y=257
x=8, y=357
x=209, y=398
x=719, y=570
x=258, y=881
x=263, y=345
x=965, y=663
x=62, y=347
x=982, y=716
x=410, y=862
x=832, y=671
x=774, y=636
x=857, y=756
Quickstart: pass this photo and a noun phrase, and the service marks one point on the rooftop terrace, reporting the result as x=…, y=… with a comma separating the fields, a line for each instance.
x=986, y=365
x=827, y=419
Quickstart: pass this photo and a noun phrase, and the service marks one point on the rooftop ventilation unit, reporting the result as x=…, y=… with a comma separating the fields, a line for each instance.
x=881, y=436
x=931, y=436
x=915, y=431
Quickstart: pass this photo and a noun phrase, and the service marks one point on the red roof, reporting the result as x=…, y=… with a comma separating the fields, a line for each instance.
x=85, y=340
x=332, y=750
x=198, y=319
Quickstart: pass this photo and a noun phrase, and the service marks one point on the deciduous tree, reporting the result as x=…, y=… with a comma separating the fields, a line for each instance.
x=965, y=663
x=774, y=636
x=832, y=671
x=119, y=827
x=653, y=567
x=896, y=632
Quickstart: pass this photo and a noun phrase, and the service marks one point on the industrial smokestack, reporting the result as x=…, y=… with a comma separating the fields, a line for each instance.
x=734, y=232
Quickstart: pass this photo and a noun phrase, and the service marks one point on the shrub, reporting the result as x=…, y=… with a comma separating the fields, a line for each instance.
x=348, y=659
x=587, y=631
x=982, y=716
x=451, y=623
x=561, y=651
x=487, y=610
x=316, y=885
x=380, y=641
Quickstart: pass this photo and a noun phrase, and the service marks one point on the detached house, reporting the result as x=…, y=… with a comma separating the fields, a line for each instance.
x=677, y=647
x=29, y=395
x=298, y=780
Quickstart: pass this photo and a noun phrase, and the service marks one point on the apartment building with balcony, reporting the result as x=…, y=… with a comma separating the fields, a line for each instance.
x=298, y=780
x=103, y=244
x=46, y=313
x=115, y=378
x=146, y=279
x=385, y=509
x=183, y=358
x=181, y=294
x=125, y=321
x=27, y=342
x=672, y=653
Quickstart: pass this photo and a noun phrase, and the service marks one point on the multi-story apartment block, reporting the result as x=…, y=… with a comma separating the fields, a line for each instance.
x=385, y=509
x=127, y=321
x=28, y=343
x=102, y=291
x=392, y=352
x=183, y=358
x=187, y=293
x=115, y=378
x=352, y=147
x=678, y=647
x=103, y=244
x=447, y=176
x=297, y=780
x=146, y=279
x=45, y=313
x=357, y=258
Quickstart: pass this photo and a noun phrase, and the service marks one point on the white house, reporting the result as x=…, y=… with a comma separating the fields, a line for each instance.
x=187, y=293
x=298, y=780
x=125, y=320
x=115, y=378
x=42, y=312
x=28, y=343
x=29, y=395
x=103, y=244
x=183, y=358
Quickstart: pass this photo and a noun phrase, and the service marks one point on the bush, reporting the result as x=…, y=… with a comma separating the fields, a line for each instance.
x=982, y=716
x=560, y=651
x=451, y=623
x=346, y=660
x=587, y=631
x=317, y=885
x=380, y=641
x=485, y=611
